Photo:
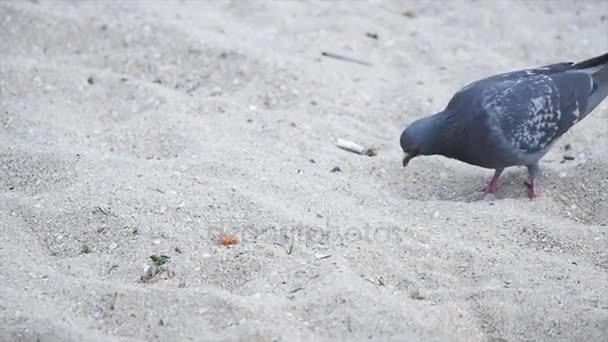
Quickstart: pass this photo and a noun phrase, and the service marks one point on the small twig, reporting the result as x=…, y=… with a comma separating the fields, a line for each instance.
x=344, y=58
x=299, y=288
x=156, y=189
x=193, y=88
x=102, y=210
x=112, y=268
x=322, y=256
x=113, y=302
x=371, y=280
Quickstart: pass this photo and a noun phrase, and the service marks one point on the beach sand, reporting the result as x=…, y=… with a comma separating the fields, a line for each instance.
x=131, y=129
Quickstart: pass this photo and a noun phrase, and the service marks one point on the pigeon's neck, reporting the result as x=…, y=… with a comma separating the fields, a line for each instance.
x=445, y=135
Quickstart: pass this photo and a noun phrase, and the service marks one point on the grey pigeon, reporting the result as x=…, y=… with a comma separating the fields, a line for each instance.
x=511, y=119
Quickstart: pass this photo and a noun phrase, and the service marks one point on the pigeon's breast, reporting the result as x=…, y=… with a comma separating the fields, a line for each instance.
x=473, y=140
x=485, y=147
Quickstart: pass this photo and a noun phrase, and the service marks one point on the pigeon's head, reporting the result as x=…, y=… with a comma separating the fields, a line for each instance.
x=419, y=138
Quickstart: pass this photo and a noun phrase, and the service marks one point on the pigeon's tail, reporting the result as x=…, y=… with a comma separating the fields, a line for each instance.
x=601, y=75
x=594, y=63
x=597, y=68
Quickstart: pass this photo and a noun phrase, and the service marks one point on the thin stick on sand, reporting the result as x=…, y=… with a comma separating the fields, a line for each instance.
x=344, y=58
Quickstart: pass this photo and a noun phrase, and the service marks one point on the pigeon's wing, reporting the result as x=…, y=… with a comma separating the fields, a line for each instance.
x=549, y=69
x=532, y=112
x=499, y=82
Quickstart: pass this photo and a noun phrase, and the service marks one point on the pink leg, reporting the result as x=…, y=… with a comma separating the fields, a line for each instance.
x=492, y=187
x=533, y=189
x=532, y=185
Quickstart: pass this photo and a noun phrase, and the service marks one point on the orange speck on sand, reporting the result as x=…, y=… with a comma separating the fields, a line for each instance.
x=229, y=239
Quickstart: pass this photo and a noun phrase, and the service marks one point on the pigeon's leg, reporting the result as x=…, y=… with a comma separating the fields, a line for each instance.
x=532, y=184
x=492, y=187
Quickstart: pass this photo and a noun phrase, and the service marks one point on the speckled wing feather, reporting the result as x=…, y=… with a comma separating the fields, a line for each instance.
x=533, y=108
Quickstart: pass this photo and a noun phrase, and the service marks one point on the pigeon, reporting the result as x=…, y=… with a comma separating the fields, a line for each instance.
x=510, y=119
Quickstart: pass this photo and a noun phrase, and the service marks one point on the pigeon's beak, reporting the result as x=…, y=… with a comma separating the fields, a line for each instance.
x=407, y=158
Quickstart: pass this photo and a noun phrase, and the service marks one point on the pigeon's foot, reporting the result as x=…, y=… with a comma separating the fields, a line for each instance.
x=492, y=187
x=533, y=189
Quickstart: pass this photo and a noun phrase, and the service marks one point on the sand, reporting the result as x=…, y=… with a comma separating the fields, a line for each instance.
x=131, y=129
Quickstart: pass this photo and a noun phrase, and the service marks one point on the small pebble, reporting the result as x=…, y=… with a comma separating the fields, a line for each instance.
x=336, y=169
x=409, y=14
x=156, y=242
x=568, y=157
